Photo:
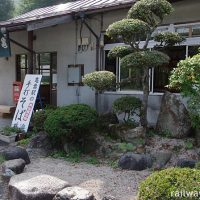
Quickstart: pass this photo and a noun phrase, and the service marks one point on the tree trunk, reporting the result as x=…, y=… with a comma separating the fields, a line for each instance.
x=143, y=120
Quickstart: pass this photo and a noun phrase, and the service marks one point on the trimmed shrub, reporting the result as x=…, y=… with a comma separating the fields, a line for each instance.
x=73, y=121
x=105, y=119
x=166, y=184
x=127, y=105
x=101, y=80
x=39, y=119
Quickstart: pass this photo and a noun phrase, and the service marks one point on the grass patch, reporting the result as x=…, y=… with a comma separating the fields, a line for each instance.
x=24, y=142
x=73, y=156
x=113, y=164
x=189, y=144
x=2, y=159
x=8, y=131
x=92, y=160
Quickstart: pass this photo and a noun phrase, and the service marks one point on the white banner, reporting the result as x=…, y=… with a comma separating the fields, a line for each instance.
x=26, y=101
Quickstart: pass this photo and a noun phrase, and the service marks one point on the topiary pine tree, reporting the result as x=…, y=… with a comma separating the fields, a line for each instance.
x=142, y=20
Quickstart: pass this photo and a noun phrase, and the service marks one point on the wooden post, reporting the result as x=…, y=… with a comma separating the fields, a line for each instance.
x=30, y=54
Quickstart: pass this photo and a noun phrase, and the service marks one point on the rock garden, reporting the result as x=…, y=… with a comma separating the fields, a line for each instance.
x=74, y=153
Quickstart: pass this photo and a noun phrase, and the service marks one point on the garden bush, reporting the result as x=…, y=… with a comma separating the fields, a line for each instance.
x=186, y=78
x=165, y=184
x=101, y=80
x=73, y=121
x=105, y=119
x=127, y=105
x=39, y=118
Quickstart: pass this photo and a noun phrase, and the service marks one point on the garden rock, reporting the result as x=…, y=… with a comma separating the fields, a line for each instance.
x=161, y=158
x=109, y=198
x=134, y=161
x=90, y=145
x=12, y=153
x=132, y=134
x=16, y=165
x=74, y=193
x=8, y=173
x=186, y=163
x=33, y=186
x=41, y=140
x=173, y=117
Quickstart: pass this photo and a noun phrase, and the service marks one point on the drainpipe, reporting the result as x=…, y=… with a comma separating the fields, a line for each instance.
x=97, y=56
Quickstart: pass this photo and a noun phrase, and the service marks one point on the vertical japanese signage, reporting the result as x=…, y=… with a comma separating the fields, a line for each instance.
x=4, y=43
x=26, y=101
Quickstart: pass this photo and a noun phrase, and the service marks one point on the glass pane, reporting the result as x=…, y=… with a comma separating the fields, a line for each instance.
x=45, y=59
x=23, y=61
x=193, y=50
x=54, y=62
x=46, y=79
x=110, y=64
x=45, y=67
x=196, y=31
x=130, y=79
x=161, y=74
x=183, y=31
x=23, y=73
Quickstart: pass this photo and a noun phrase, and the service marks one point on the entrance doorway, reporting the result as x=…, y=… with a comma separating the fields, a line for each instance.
x=46, y=65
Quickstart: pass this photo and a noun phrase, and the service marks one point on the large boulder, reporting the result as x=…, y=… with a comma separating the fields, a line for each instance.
x=74, y=193
x=173, y=118
x=161, y=158
x=132, y=135
x=41, y=140
x=183, y=163
x=134, y=161
x=12, y=153
x=16, y=165
x=34, y=186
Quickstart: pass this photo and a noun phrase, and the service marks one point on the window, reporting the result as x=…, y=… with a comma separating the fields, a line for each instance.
x=46, y=64
x=161, y=74
x=43, y=67
x=183, y=31
x=21, y=67
x=131, y=80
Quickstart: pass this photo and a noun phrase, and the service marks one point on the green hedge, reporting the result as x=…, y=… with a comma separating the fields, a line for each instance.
x=39, y=118
x=70, y=121
x=167, y=184
x=128, y=105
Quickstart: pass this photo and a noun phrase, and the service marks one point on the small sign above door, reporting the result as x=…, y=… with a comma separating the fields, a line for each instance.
x=26, y=101
x=4, y=43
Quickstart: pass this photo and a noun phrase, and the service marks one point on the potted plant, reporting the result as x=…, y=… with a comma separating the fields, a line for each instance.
x=8, y=134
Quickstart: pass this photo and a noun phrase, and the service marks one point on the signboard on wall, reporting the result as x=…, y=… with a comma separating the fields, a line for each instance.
x=26, y=101
x=4, y=43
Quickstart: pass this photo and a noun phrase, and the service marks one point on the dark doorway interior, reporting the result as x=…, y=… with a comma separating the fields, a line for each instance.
x=46, y=65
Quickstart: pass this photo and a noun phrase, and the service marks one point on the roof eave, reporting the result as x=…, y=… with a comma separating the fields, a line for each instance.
x=14, y=26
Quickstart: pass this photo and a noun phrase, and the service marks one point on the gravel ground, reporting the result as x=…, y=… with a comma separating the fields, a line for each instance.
x=100, y=180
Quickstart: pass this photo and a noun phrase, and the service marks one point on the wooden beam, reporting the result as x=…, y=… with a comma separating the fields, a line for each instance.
x=21, y=45
x=30, y=54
